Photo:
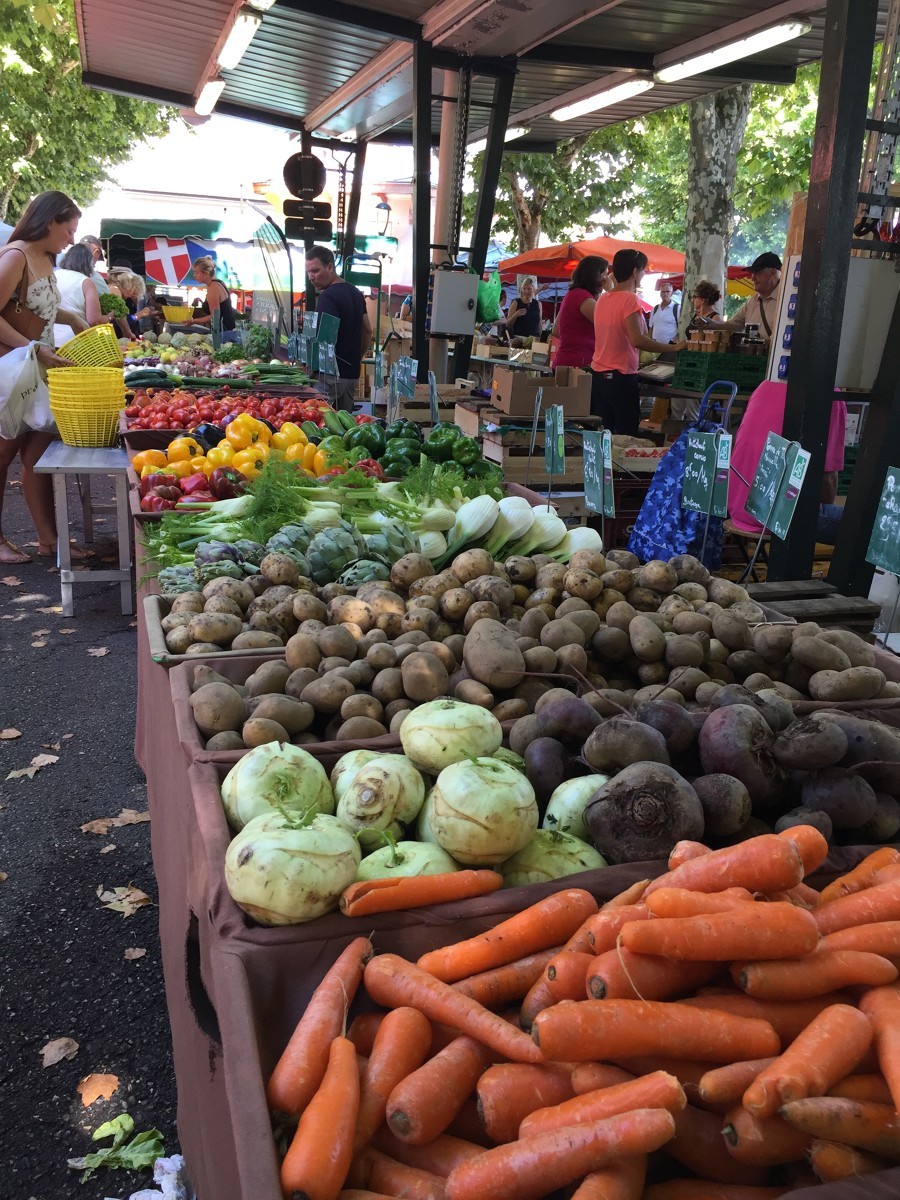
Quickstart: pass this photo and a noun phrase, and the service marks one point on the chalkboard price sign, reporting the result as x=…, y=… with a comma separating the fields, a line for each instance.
x=706, y=466
x=777, y=483
x=593, y=471
x=378, y=370
x=554, y=440
x=609, y=495
x=327, y=360
x=310, y=324
x=884, y=544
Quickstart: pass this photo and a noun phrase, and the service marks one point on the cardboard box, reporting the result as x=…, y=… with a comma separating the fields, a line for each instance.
x=514, y=392
x=540, y=352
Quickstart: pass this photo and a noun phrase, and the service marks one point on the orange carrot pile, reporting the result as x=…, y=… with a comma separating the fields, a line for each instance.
x=415, y=891
x=725, y=1014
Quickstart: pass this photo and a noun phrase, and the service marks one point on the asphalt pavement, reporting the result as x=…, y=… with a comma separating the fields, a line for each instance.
x=69, y=966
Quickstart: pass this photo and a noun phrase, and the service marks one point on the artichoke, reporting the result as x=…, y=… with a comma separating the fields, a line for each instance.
x=251, y=553
x=226, y=568
x=364, y=570
x=392, y=542
x=174, y=580
x=332, y=550
x=290, y=537
x=213, y=552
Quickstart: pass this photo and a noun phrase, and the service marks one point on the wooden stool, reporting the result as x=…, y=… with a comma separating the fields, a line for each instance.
x=741, y=537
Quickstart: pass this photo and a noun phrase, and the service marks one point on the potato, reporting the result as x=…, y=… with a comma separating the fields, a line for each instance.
x=491, y=655
x=673, y=605
x=481, y=610
x=647, y=641
x=806, y=629
x=396, y=706
x=269, y=677
x=693, y=593
x=724, y=592
x=378, y=596
x=408, y=569
x=559, y=633
x=552, y=575
x=328, y=693
x=174, y=620
x=225, y=741
x=819, y=655
x=497, y=591
x=587, y=621
x=219, y=603
x=772, y=642
x=333, y=663
x=686, y=680
x=689, y=569
x=618, y=580
x=473, y=692
x=360, y=673
x=582, y=583
x=856, y=683
x=746, y=662
x=683, y=651
x=652, y=672
x=658, y=576
x=217, y=708
x=510, y=710
x=302, y=651
x=352, y=611
x=293, y=715
x=756, y=681
x=621, y=615
x=421, y=620
x=360, y=729
x=860, y=653
x=308, y=607
x=424, y=677
x=588, y=560
x=336, y=641
x=257, y=732
x=732, y=631
x=388, y=685
x=624, y=558
x=266, y=623
x=470, y=564
x=533, y=622
x=611, y=644
x=545, y=598
x=455, y=603
x=178, y=639
x=219, y=628
x=189, y=602
x=389, y=624
x=706, y=691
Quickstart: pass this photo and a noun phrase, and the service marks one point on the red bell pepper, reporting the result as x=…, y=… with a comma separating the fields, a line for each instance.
x=194, y=483
x=156, y=501
x=155, y=479
x=226, y=483
x=370, y=467
x=364, y=419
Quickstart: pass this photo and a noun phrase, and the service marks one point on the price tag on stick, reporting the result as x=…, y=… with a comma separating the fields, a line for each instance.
x=884, y=544
x=554, y=440
x=393, y=402
x=609, y=495
x=593, y=471
x=538, y=402
x=433, y=399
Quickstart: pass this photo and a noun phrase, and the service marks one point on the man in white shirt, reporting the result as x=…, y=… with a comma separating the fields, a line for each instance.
x=663, y=320
x=96, y=248
x=762, y=308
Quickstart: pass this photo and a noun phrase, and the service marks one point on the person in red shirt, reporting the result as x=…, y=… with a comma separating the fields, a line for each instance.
x=620, y=333
x=575, y=323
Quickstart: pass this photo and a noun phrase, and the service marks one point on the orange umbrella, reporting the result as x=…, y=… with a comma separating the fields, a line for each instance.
x=558, y=262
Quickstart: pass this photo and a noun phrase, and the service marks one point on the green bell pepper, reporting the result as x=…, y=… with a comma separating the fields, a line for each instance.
x=408, y=447
x=333, y=446
x=370, y=436
x=439, y=443
x=397, y=467
x=480, y=470
x=466, y=451
x=403, y=428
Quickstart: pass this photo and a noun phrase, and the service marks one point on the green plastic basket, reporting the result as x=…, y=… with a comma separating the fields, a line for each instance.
x=695, y=370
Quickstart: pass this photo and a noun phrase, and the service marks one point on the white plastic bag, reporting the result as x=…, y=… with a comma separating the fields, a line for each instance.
x=24, y=395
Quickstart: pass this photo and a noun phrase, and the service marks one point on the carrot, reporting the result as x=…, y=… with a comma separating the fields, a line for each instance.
x=766, y=863
x=688, y=1072
x=546, y=923
x=533, y=1167
x=588, y=1077
x=726, y=1085
x=467, y=1124
x=319, y=1156
x=381, y=1173
x=827, y=1050
x=401, y=1045
x=762, y=1141
x=863, y=1087
x=362, y=1031
x=698, y=1145
x=787, y=1017
x=603, y=929
x=800, y=893
x=439, y=1157
x=860, y=1123
x=301, y=1067
x=423, y=1104
x=882, y=937
x=601, y=1029
x=502, y=985
x=861, y=875
x=631, y=895
x=536, y=999
x=621, y=975
x=813, y=847
x=680, y=902
x=686, y=851
x=392, y=982
x=623, y=1180
x=882, y=1007
x=832, y=1161
x=566, y=975
x=369, y=896
x=708, y=1189
x=580, y=941
x=819, y=972
x=360, y=1194
x=881, y=903
x=508, y=1092
x=658, y=1090
x=753, y=931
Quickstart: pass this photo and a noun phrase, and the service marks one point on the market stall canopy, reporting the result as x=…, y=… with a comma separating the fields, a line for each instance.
x=558, y=262
x=344, y=69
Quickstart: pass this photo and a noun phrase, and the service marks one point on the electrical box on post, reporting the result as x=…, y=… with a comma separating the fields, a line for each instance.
x=452, y=299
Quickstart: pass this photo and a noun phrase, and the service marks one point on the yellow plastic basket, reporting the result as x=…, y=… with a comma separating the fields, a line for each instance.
x=95, y=347
x=85, y=403
x=177, y=313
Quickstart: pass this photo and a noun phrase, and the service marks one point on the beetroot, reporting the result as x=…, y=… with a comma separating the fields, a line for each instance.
x=619, y=741
x=671, y=720
x=726, y=804
x=642, y=813
x=736, y=740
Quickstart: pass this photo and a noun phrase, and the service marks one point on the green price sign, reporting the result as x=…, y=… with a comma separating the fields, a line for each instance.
x=554, y=440
x=379, y=370
x=706, y=466
x=609, y=495
x=310, y=324
x=884, y=544
x=777, y=483
x=407, y=369
x=593, y=471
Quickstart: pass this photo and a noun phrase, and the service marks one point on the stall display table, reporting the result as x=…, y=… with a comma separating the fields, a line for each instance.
x=61, y=461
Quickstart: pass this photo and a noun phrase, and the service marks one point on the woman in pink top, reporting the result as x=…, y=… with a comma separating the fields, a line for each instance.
x=575, y=323
x=620, y=333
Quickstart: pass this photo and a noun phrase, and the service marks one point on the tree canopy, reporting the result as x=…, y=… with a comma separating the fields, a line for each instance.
x=57, y=133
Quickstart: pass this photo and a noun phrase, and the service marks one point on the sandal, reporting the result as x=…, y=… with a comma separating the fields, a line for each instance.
x=11, y=554
x=77, y=552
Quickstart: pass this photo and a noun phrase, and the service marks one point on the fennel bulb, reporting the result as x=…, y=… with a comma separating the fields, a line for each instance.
x=482, y=811
x=406, y=858
x=549, y=856
x=547, y=531
x=565, y=808
x=474, y=520
x=275, y=776
x=432, y=543
x=439, y=518
x=579, y=538
x=445, y=731
x=283, y=870
x=515, y=518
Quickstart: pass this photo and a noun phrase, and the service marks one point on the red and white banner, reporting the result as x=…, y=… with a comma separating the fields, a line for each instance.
x=166, y=261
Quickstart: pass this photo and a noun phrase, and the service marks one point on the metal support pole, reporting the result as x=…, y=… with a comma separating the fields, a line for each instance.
x=833, y=188
x=421, y=200
x=446, y=182
x=359, y=165
x=484, y=212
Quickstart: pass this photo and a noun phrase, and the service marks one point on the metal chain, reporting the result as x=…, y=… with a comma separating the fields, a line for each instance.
x=881, y=147
x=454, y=222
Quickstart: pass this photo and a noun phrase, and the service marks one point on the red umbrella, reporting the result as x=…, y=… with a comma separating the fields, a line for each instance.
x=558, y=262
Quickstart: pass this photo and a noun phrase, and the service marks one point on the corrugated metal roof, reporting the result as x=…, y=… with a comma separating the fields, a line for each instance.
x=303, y=54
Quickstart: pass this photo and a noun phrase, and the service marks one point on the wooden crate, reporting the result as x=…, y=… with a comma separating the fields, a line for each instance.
x=790, y=589
x=518, y=465
x=855, y=613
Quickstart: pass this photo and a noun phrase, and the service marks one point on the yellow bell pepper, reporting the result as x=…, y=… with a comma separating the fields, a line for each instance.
x=148, y=458
x=288, y=435
x=309, y=455
x=182, y=468
x=246, y=431
x=183, y=449
x=320, y=462
x=295, y=453
x=249, y=462
x=162, y=469
x=221, y=455
x=202, y=465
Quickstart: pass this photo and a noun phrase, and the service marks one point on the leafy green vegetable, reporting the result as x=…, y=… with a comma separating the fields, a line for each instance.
x=230, y=352
x=259, y=342
x=113, y=304
x=142, y=1151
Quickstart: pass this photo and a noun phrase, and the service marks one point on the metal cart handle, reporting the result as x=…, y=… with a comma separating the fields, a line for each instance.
x=720, y=385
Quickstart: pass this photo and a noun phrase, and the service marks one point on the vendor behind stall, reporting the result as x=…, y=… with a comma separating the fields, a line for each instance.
x=218, y=299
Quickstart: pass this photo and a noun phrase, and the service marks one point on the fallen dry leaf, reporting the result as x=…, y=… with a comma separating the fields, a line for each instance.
x=58, y=1049
x=125, y=900
x=6, y=617
x=67, y=631
x=39, y=633
x=109, y=848
x=68, y=735
x=44, y=760
x=3, y=874
x=132, y=624
x=98, y=651
x=134, y=952
x=51, y=745
x=6, y=735
x=128, y=816
x=97, y=1087
x=30, y=598
x=11, y=581
x=56, y=608
x=30, y=772
x=38, y=645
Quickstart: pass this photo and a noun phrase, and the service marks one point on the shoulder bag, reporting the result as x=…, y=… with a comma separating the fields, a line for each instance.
x=17, y=314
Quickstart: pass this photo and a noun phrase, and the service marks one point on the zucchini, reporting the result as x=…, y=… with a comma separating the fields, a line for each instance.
x=333, y=422
x=346, y=419
x=198, y=381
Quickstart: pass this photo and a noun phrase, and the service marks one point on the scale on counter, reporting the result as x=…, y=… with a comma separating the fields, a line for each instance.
x=658, y=372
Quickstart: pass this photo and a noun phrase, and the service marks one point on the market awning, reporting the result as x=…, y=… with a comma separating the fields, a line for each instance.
x=139, y=230
x=558, y=262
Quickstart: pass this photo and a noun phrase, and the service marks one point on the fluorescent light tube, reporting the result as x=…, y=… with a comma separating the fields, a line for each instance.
x=515, y=131
x=765, y=39
x=209, y=97
x=613, y=95
x=239, y=38
x=261, y=5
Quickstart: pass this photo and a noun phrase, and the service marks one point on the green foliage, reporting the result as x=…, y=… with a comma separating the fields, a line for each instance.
x=57, y=133
x=113, y=304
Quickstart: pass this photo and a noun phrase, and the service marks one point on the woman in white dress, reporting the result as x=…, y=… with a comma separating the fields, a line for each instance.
x=77, y=290
x=45, y=229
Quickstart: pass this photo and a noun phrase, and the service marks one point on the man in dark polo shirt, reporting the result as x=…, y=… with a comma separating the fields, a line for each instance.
x=341, y=300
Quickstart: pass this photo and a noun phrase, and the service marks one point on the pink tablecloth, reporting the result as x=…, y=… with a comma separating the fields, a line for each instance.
x=764, y=415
